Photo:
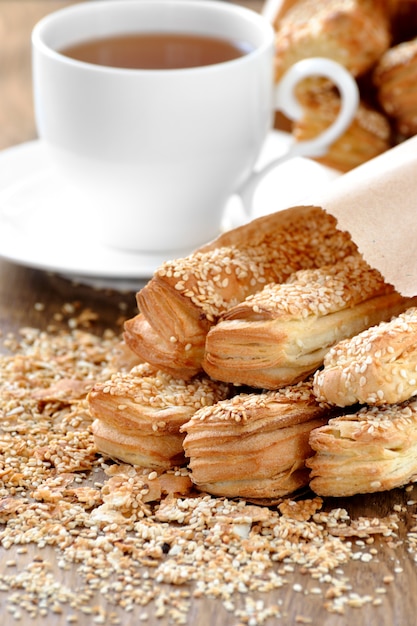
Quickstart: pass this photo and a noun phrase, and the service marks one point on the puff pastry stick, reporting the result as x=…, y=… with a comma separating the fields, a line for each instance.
x=352, y=32
x=368, y=135
x=372, y=450
x=138, y=415
x=254, y=445
x=185, y=297
x=375, y=367
x=395, y=78
x=281, y=335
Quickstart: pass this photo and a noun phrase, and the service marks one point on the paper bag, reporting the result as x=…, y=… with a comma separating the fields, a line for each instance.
x=377, y=203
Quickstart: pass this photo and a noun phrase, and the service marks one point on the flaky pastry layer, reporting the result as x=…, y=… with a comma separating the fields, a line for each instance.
x=154, y=451
x=375, y=367
x=254, y=445
x=138, y=414
x=281, y=335
x=185, y=297
x=372, y=450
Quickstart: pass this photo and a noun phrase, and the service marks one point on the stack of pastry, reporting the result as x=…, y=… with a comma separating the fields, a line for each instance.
x=282, y=306
x=185, y=297
x=281, y=299
x=355, y=34
x=281, y=334
x=138, y=415
x=374, y=448
x=375, y=41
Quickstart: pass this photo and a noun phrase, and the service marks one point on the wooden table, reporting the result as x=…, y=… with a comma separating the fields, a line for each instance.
x=31, y=297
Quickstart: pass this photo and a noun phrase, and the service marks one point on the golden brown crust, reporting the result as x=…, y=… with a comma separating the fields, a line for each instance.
x=281, y=335
x=254, y=445
x=368, y=135
x=272, y=230
x=285, y=6
x=395, y=78
x=352, y=32
x=144, y=450
x=185, y=297
x=372, y=450
x=138, y=414
x=377, y=366
x=179, y=358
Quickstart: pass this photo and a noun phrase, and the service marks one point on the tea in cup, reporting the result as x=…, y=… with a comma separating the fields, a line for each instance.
x=156, y=111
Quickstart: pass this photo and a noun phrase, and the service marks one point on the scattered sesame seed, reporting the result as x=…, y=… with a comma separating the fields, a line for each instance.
x=136, y=543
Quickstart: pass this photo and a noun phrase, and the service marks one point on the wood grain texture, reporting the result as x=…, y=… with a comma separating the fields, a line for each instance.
x=21, y=288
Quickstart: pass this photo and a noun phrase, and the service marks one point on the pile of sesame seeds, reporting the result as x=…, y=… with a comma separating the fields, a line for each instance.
x=135, y=549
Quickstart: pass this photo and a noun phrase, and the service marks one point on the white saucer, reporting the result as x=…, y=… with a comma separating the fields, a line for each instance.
x=40, y=228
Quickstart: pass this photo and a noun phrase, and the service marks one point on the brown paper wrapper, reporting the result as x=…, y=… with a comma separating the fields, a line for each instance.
x=377, y=204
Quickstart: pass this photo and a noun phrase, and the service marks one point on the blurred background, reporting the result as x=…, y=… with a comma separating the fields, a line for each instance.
x=364, y=35
x=17, y=18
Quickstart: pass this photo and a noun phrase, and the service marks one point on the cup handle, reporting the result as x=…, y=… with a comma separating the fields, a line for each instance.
x=286, y=101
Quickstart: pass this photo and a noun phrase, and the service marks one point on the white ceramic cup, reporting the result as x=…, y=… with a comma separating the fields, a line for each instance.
x=155, y=155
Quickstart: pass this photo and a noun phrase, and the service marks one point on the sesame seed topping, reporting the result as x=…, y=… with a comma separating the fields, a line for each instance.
x=147, y=387
x=201, y=287
x=381, y=433
x=375, y=366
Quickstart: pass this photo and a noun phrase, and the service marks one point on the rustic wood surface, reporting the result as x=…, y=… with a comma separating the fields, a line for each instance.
x=21, y=288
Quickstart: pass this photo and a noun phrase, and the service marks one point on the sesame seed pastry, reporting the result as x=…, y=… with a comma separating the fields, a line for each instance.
x=276, y=10
x=367, y=136
x=138, y=415
x=395, y=78
x=372, y=450
x=375, y=367
x=185, y=297
x=254, y=445
x=352, y=32
x=281, y=335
